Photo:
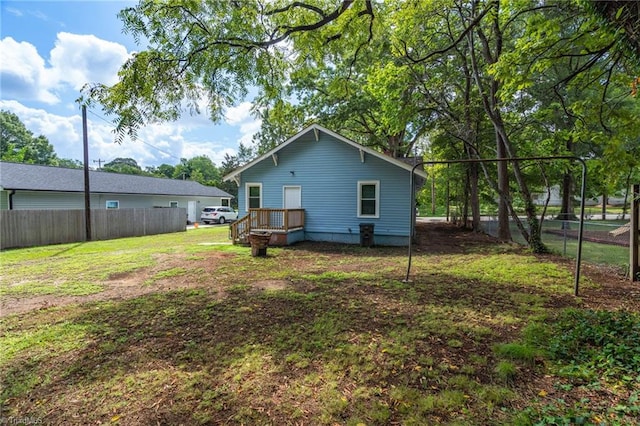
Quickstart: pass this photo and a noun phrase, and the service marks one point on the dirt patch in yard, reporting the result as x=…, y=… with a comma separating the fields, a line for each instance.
x=121, y=286
x=270, y=284
x=349, y=343
x=614, y=291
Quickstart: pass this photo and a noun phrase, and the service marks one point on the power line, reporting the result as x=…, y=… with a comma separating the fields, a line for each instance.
x=145, y=143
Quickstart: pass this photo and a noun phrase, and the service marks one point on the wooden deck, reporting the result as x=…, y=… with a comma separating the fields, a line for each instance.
x=280, y=221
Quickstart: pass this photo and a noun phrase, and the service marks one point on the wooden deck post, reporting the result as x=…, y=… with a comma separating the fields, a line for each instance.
x=634, y=235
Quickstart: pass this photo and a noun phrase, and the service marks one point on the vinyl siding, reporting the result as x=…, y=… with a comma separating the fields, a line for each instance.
x=43, y=200
x=327, y=172
x=4, y=200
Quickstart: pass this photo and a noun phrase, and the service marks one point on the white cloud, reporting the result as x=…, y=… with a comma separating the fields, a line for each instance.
x=14, y=11
x=241, y=116
x=64, y=133
x=29, y=81
x=247, y=130
x=23, y=72
x=80, y=59
x=74, y=61
x=156, y=143
x=238, y=114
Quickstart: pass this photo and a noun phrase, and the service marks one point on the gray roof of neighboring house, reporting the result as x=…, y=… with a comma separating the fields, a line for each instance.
x=47, y=178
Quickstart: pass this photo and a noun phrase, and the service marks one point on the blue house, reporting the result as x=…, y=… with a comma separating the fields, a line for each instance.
x=321, y=186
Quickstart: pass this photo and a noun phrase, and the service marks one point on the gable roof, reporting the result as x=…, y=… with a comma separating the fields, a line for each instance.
x=33, y=177
x=318, y=128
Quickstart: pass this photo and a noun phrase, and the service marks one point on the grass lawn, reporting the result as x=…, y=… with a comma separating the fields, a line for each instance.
x=615, y=256
x=187, y=329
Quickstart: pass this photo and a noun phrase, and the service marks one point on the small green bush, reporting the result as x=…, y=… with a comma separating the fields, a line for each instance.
x=605, y=343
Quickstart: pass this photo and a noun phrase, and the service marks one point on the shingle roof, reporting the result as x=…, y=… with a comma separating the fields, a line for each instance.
x=47, y=178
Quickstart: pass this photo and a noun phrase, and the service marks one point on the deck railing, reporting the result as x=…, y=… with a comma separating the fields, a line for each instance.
x=273, y=220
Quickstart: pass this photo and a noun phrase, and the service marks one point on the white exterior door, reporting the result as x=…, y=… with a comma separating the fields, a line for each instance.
x=292, y=197
x=192, y=211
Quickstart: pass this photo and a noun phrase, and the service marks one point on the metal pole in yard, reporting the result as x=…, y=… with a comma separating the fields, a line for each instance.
x=634, y=235
x=87, y=191
x=583, y=190
x=583, y=194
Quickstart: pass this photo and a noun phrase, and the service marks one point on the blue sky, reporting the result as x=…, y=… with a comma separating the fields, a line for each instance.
x=50, y=49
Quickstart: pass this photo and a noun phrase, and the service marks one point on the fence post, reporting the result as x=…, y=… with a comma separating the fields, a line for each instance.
x=634, y=235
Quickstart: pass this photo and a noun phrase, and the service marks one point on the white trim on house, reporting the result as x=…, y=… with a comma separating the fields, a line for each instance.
x=362, y=183
x=246, y=193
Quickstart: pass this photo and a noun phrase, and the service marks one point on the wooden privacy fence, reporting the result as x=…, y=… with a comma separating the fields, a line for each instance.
x=27, y=228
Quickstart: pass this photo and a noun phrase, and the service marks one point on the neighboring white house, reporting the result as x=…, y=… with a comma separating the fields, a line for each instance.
x=555, y=198
x=36, y=187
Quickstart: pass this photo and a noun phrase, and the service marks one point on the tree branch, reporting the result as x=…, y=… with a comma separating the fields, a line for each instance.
x=461, y=37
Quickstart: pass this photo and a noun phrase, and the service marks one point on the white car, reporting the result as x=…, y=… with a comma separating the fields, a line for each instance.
x=218, y=214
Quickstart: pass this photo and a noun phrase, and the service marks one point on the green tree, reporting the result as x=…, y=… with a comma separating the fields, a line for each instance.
x=229, y=164
x=200, y=169
x=214, y=48
x=464, y=72
x=127, y=166
x=163, y=170
x=203, y=170
x=70, y=164
x=620, y=15
x=18, y=144
x=579, y=82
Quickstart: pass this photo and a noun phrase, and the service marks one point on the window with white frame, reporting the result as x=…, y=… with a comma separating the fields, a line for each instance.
x=369, y=198
x=113, y=204
x=224, y=202
x=173, y=204
x=254, y=195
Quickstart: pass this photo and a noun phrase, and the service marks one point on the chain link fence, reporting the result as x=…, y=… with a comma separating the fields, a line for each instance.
x=605, y=242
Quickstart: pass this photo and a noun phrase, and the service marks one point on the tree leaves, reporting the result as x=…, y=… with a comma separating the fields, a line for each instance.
x=19, y=145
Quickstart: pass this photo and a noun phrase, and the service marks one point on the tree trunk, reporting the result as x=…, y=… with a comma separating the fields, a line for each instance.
x=567, y=211
x=504, y=232
x=605, y=201
x=465, y=205
x=433, y=195
x=627, y=190
x=474, y=196
x=491, y=49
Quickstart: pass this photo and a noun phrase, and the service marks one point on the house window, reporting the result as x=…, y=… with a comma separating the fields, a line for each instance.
x=369, y=198
x=224, y=202
x=173, y=204
x=254, y=195
x=113, y=204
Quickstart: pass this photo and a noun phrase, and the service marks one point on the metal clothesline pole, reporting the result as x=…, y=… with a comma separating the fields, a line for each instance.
x=583, y=188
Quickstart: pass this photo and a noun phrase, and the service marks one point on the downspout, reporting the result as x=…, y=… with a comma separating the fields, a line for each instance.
x=11, y=194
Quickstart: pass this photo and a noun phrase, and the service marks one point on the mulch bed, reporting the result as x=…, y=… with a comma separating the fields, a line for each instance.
x=602, y=237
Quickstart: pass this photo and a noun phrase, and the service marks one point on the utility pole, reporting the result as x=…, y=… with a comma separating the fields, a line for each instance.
x=87, y=191
x=99, y=161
